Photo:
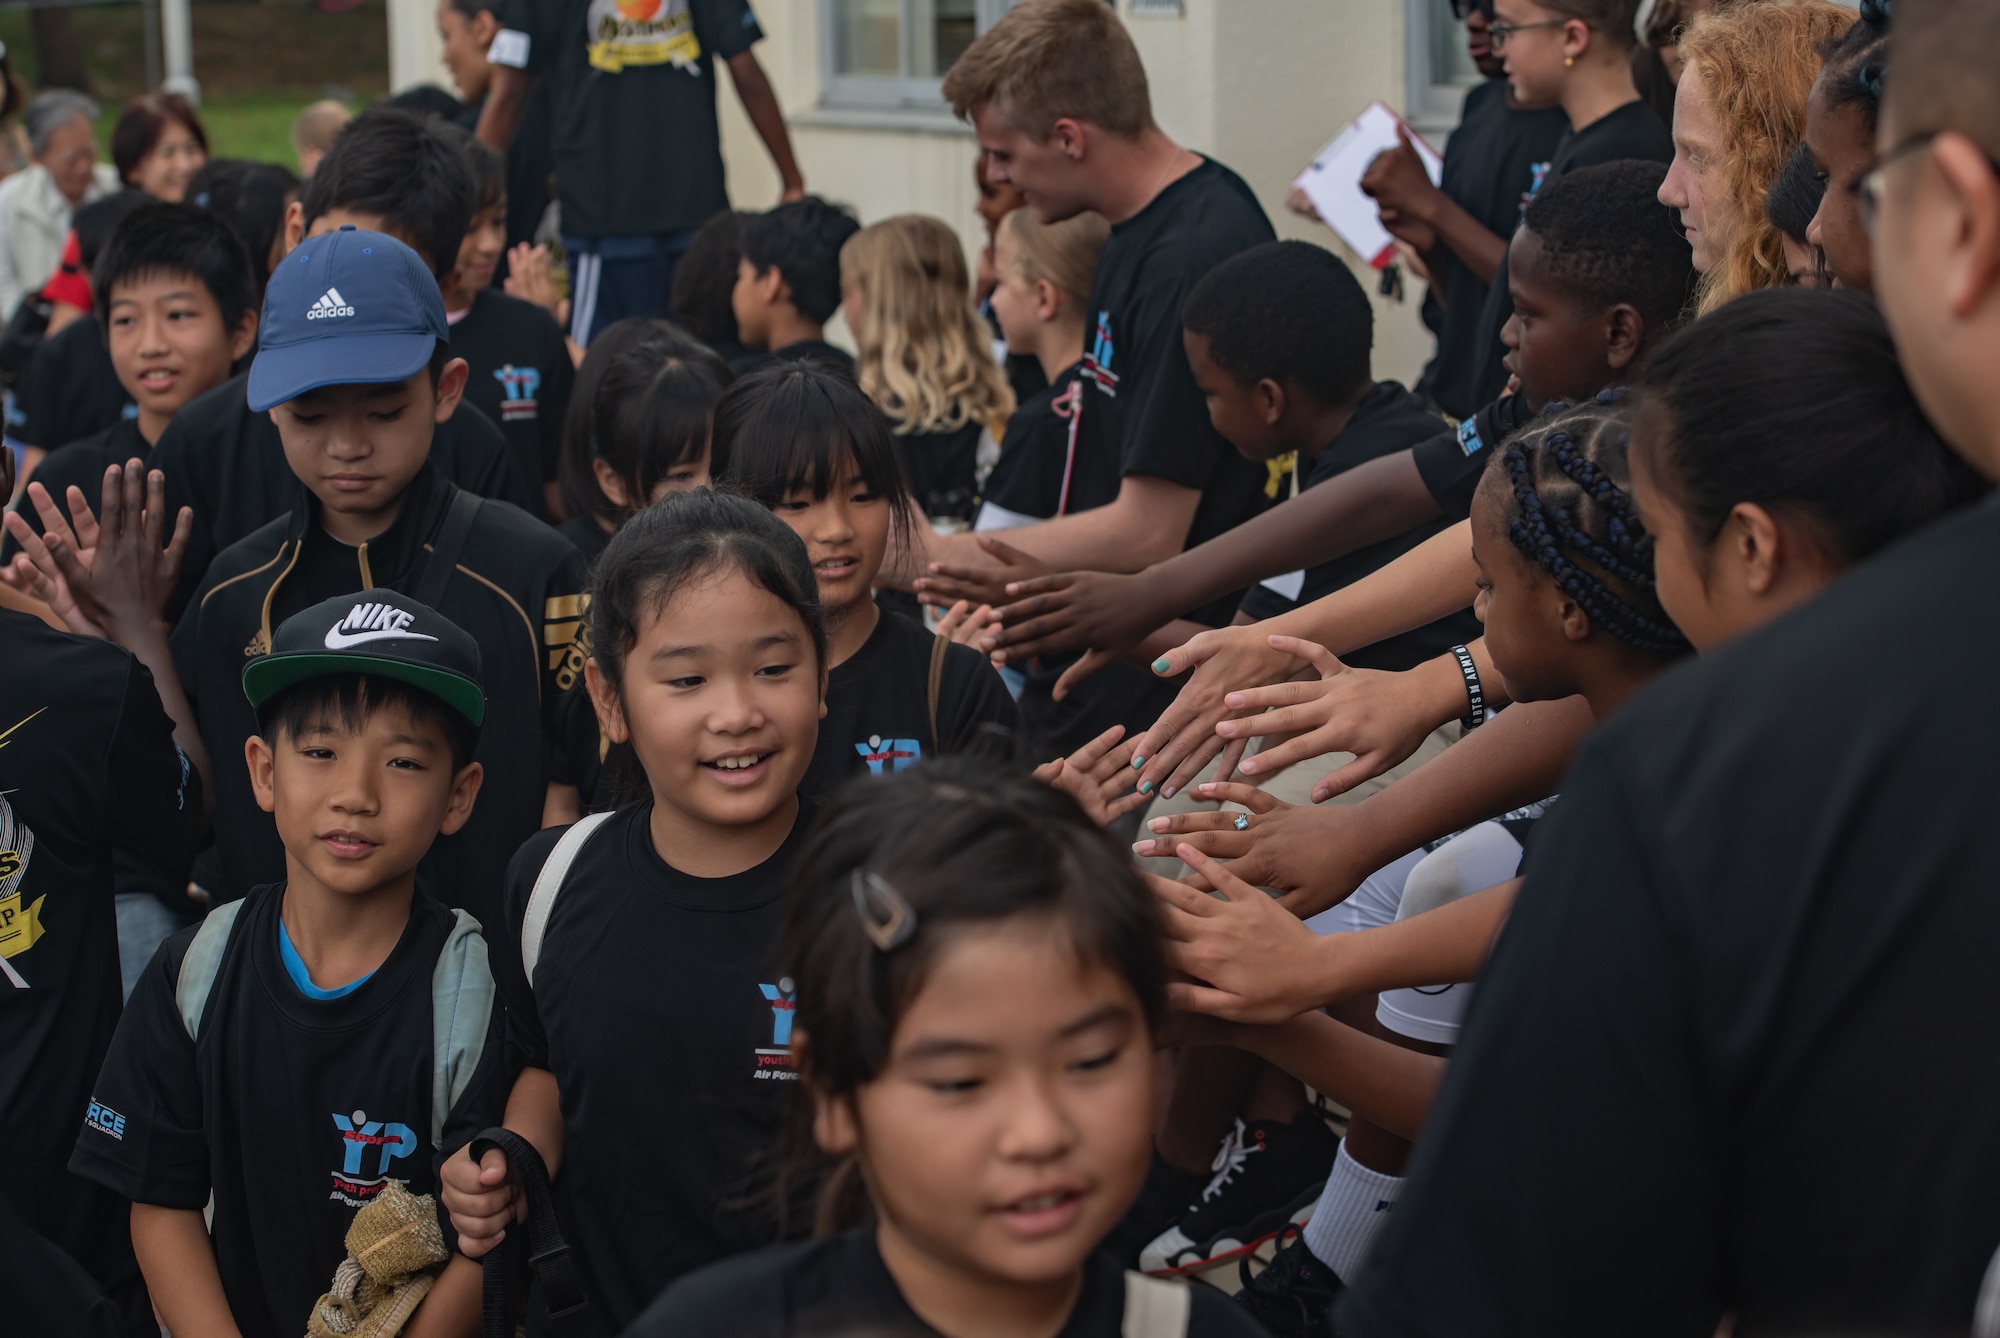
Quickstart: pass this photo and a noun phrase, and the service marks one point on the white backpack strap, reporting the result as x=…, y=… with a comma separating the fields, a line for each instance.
x=548, y=883
x=1155, y=1307
x=461, y=1007
x=203, y=960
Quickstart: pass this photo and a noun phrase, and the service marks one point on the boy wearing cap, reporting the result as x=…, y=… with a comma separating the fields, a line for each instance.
x=389, y=171
x=355, y=370
x=328, y=1033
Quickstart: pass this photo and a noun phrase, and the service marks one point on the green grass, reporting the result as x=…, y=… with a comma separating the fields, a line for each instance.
x=254, y=125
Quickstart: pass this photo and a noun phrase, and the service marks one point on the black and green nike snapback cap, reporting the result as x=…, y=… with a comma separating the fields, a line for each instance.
x=376, y=632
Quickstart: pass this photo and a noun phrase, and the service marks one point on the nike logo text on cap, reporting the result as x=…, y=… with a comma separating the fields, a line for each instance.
x=330, y=304
x=372, y=622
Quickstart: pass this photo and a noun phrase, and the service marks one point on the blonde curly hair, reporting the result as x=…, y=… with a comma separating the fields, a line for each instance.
x=1756, y=60
x=924, y=354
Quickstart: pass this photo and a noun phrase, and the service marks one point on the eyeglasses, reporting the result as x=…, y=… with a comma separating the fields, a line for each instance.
x=1497, y=33
x=1871, y=188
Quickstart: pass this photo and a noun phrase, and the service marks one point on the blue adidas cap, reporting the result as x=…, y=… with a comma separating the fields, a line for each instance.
x=345, y=308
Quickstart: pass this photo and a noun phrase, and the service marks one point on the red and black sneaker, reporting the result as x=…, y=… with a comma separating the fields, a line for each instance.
x=1267, y=1176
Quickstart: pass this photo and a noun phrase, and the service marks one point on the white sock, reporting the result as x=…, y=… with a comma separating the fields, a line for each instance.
x=1352, y=1210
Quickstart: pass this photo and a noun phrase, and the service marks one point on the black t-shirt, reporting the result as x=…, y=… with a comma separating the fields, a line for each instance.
x=87, y=762
x=637, y=147
x=1451, y=462
x=521, y=378
x=81, y=463
x=1388, y=419
x=229, y=465
x=1767, y=894
x=588, y=536
x=1144, y=406
x=293, y=1111
x=69, y=389
x=517, y=588
x=878, y=705
x=806, y=350
x=942, y=468
x=839, y=1285
x=1494, y=150
x=1632, y=131
x=1044, y=440
x=658, y=1007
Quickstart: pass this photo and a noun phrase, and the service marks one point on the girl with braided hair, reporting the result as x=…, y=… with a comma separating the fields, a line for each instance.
x=1840, y=136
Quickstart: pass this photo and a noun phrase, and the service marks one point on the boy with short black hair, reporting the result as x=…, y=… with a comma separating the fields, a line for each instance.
x=389, y=171
x=355, y=371
x=372, y=1000
x=176, y=300
x=788, y=279
x=521, y=368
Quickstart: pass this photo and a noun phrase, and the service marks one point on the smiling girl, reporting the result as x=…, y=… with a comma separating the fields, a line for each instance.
x=979, y=983
x=659, y=920
x=807, y=443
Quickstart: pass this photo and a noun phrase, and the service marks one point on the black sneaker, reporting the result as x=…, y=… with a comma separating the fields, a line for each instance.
x=1162, y=1201
x=1267, y=1176
x=1293, y=1296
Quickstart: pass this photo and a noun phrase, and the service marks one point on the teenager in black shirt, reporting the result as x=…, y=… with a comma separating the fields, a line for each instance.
x=636, y=143
x=1577, y=57
x=1057, y=97
x=978, y=977
x=176, y=293
x=808, y=444
x=89, y=764
x=521, y=373
x=1462, y=223
x=389, y=171
x=373, y=1001
x=709, y=660
x=372, y=511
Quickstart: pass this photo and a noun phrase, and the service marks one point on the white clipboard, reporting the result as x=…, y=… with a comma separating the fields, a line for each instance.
x=1332, y=181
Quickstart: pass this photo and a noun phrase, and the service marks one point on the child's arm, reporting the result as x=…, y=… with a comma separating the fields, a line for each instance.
x=178, y=1261
x=760, y=104
x=1376, y=1079
x=452, y=1308
x=482, y=1198
x=1371, y=503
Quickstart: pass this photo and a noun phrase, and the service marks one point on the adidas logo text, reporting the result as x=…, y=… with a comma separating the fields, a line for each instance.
x=330, y=304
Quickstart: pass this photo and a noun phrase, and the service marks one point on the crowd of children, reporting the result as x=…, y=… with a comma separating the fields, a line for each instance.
x=633, y=830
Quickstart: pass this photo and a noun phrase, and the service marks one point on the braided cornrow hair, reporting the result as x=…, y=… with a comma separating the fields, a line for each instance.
x=1574, y=521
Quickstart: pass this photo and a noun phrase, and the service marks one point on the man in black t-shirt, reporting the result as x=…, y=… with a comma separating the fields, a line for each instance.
x=637, y=148
x=1744, y=913
x=286, y=1060
x=1057, y=96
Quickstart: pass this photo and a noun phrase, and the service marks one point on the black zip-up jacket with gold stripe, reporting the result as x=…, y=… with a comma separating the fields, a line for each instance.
x=518, y=588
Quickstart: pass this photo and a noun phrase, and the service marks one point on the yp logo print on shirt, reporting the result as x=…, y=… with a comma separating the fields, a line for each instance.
x=358, y=1134
x=894, y=754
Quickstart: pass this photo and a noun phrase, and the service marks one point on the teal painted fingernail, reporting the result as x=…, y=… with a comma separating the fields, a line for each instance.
x=1145, y=787
x=1138, y=763
x=1160, y=665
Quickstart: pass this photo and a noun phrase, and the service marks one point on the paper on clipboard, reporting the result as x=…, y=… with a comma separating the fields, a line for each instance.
x=1333, y=181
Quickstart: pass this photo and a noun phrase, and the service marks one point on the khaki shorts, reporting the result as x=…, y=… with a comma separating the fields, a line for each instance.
x=1293, y=785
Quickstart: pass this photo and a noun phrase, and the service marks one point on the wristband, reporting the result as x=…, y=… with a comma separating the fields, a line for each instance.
x=1475, y=697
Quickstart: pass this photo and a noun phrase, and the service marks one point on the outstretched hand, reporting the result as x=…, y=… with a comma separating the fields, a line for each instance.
x=1370, y=713
x=1223, y=660
x=1295, y=848
x=985, y=583
x=1251, y=960
x=1071, y=610
x=108, y=575
x=34, y=571
x=1098, y=776
x=531, y=277
x=965, y=624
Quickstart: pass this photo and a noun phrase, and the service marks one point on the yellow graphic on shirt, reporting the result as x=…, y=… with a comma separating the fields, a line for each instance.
x=20, y=926
x=1275, y=471
x=641, y=32
x=7, y=732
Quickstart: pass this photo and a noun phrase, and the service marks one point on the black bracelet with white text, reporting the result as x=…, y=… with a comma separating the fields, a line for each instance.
x=1475, y=697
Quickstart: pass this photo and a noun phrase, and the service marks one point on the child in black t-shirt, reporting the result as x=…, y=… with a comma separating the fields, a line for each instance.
x=974, y=980
x=926, y=360
x=788, y=281
x=521, y=373
x=804, y=441
x=646, y=1012
x=305, y=1046
x=639, y=427
x=176, y=296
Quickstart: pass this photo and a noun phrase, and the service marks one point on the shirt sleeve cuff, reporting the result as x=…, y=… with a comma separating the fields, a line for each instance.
x=509, y=48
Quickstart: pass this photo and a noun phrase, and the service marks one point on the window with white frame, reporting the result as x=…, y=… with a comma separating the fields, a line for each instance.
x=1438, y=70
x=894, y=53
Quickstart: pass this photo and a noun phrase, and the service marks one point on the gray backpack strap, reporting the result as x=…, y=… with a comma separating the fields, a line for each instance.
x=461, y=1007
x=203, y=960
x=1155, y=1307
x=541, y=901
